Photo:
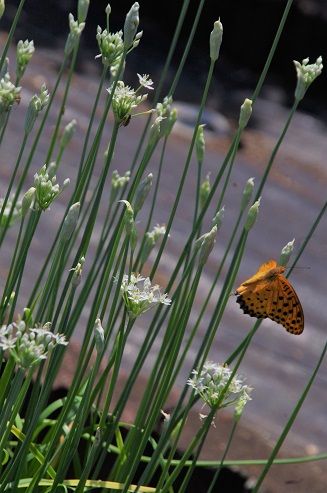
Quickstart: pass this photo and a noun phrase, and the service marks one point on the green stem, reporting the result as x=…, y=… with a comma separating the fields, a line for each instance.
x=289, y=423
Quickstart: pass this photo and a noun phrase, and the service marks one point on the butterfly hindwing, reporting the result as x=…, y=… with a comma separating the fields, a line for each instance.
x=257, y=301
x=288, y=311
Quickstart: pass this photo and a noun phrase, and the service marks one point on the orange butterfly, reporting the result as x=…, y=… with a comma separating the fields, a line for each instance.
x=269, y=294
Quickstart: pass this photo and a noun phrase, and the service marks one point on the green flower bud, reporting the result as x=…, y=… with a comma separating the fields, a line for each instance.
x=128, y=217
x=205, y=244
x=108, y=10
x=245, y=113
x=247, y=193
x=205, y=189
x=70, y=222
x=98, y=336
x=216, y=37
x=69, y=131
x=218, y=219
x=286, y=252
x=82, y=9
x=28, y=200
x=131, y=24
x=200, y=143
x=252, y=215
x=142, y=192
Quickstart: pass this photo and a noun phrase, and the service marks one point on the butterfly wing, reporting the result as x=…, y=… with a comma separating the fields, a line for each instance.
x=256, y=300
x=274, y=299
x=288, y=310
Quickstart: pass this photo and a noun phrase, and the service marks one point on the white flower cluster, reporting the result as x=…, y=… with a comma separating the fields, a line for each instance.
x=211, y=383
x=75, y=31
x=140, y=299
x=119, y=181
x=124, y=100
x=29, y=346
x=24, y=53
x=9, y=93
x=46, y=188
x=306, y=73
x=150, y=240
x=111, y=46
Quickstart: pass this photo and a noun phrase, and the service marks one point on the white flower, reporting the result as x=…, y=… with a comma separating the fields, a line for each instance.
x=29, y=346
x=7, y=338
x=211, y=384
x=145, y=81
x=140, y=299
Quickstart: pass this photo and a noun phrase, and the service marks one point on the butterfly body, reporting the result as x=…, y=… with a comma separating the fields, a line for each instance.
x=268, y=294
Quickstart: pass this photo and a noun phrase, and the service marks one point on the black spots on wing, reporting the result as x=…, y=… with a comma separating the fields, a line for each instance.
x=247, y=305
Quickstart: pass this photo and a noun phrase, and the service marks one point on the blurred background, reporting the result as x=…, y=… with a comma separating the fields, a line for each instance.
x=278, y=364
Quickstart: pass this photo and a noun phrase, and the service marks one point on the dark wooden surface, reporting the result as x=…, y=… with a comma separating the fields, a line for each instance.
x=277, y=364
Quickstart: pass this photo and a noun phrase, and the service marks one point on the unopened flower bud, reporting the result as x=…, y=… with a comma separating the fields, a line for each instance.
x=142, y=192
x=245, y=113
x=28, y=200
x=205, y=189
x=82, y=9
x=70, y=222
x=129, y=224
x=200, y=143
x=131, y=24
x=98, y=336
x=216, y=37
x=68, y=133
x=206, y=243
x=286, y=252
x=247, y=193
x=218, y=219
x=252, y=215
